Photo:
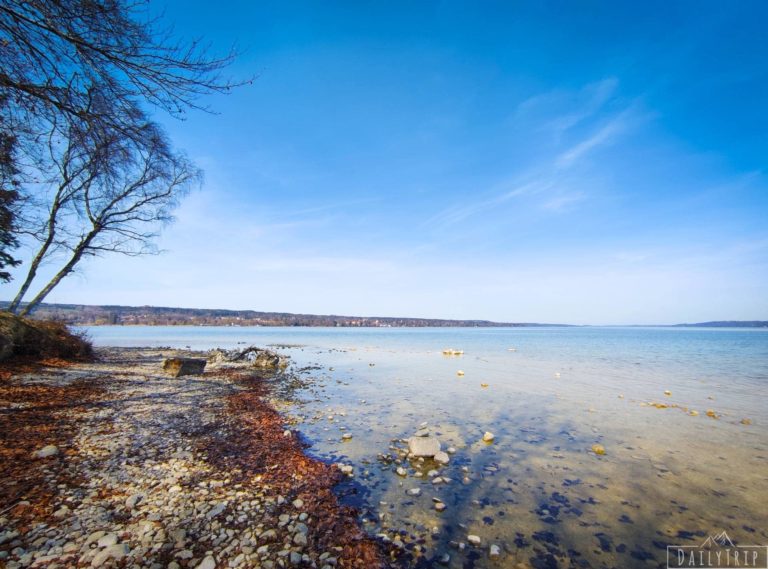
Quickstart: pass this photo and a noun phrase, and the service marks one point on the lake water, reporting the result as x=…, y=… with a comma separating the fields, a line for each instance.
x=671, y=474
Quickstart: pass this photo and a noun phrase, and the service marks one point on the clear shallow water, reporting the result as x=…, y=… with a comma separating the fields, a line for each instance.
x=538, y=492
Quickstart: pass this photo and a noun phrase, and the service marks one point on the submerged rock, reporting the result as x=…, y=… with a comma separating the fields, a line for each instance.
x=452, y=352
x=488, y=437
x=424, y=446
x=442, y=457
x=598, y=449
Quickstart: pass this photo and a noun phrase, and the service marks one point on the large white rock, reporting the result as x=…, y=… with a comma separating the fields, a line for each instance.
x=423, y=446
x=116, y=551
x=442, y=457
x=46, y=451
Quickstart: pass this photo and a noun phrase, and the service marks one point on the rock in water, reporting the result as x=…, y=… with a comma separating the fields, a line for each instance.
x=423, y=446
x=442, y=457
x=488, y=437
x=184, y=366
x=269, y=360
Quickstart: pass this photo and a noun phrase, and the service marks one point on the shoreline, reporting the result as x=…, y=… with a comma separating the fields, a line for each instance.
x=115, y=463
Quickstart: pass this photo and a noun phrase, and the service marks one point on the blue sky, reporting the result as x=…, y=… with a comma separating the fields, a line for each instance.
x=582, y=162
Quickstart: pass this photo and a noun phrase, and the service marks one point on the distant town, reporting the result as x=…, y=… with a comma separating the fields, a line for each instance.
x=116, y=315
x=88, y=315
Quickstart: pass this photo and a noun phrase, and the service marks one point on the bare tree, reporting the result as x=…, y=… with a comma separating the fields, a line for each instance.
x=110, y=195
x=77, y=79
x=55, y=51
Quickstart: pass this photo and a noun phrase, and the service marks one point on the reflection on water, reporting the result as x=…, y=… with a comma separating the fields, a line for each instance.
x=670, y=474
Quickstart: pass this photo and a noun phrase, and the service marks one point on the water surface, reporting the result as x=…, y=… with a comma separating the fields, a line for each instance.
x=670, y=474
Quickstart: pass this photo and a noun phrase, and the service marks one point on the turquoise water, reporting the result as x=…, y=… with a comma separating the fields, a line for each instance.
x=670, y=474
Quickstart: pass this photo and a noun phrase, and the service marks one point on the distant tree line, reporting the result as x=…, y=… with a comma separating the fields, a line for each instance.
x=84, y=170
x=163, y=316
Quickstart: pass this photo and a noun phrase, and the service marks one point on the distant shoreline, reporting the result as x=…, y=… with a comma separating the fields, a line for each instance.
x=118, y=315
x=92, y=315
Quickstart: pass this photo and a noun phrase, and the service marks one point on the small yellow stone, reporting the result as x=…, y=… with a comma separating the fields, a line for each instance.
x=694, y=413
x=460, y=372
x=746, y=421
x=667, y=392
x=711, y=413
x=483, y=385
x=598, y=449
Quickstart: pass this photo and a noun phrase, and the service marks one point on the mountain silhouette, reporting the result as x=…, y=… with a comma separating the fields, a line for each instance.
x=722, y=540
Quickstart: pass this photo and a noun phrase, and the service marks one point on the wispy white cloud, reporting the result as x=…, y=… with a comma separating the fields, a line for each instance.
x=499, y=195
x=553, y=184
x=559, y=110
x=562, y=201
x=603, y=136
x=335, y=206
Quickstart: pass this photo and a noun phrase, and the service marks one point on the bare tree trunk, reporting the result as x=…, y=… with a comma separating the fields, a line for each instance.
x=67, y=189
x=34, y=265
x=65, y=270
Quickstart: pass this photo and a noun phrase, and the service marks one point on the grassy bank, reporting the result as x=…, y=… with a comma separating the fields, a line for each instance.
x=31, y=340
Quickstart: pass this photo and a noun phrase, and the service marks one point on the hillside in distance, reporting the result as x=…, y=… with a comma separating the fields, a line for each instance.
x=89, y=315
x=729, y=324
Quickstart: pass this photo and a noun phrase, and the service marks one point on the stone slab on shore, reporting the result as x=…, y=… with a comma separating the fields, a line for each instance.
x=176, y=367
x=195, y=472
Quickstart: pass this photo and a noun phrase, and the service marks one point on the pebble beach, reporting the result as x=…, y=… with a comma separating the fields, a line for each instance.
x=114, y=463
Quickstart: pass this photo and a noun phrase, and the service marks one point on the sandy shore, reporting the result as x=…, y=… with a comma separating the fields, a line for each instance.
x=115, y=464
